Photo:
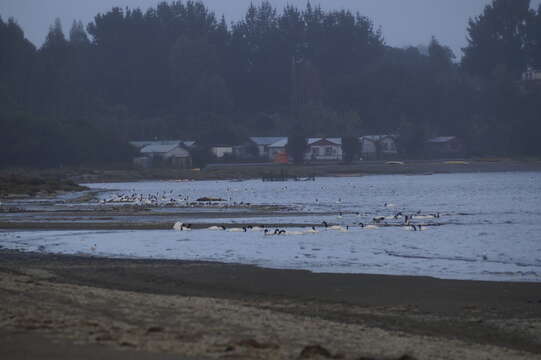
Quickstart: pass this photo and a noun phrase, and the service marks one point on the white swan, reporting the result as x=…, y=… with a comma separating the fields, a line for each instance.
x=178, y=226
x=337, y=227
x=294, y=233
x=214, y=228
x=312, y=231
x=181, y=227
x=371, y=227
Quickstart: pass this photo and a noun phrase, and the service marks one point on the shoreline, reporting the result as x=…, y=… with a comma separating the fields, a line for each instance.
x=447, y=319
x=256, y=171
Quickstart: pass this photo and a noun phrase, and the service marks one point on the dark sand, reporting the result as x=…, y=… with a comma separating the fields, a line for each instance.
x=91, y=306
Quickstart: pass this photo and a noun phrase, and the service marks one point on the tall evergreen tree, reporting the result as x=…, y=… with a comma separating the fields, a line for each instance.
x=497, y=39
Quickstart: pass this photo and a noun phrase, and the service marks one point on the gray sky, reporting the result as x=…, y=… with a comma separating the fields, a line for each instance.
x=404, y=22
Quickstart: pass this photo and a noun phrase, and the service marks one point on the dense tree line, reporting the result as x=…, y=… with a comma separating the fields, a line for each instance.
x=178, y=71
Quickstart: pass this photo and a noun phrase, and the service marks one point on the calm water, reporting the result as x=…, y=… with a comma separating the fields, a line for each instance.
x=490, y=227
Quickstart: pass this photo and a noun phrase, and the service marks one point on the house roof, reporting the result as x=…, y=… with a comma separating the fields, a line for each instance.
x=441, y=139
x=335, y=141
x=161, y=149
x=267, y=140
x=142, y=144
x=377, y=137
x=279, y=143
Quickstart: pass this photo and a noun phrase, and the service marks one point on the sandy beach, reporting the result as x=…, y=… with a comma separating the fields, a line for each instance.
x=65, y=307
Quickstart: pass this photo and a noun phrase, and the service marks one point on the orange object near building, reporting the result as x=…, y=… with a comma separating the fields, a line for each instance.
x=281, y=158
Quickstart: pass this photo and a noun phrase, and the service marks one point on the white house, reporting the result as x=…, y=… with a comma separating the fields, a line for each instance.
x=188, y=144
x=172, y=154
x=321, y=149
x=531, y=75
x=376, y=146
x=220, y=151
x=263, y=145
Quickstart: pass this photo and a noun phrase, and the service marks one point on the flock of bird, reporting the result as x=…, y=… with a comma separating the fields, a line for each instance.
x=406, y=221
x=166, y=199
x=158, y=198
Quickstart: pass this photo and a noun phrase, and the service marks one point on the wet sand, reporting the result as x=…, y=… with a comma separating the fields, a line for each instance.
x=142, y=309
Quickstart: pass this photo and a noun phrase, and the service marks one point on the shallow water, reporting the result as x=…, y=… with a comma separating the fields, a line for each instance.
x=490, y=227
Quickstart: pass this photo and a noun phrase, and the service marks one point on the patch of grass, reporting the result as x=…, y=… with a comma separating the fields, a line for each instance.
x=15, y=184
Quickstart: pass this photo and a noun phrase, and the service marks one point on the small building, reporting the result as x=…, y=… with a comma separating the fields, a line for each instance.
x=172, y=154
x=531, y=75
x=444, y=146
x=277, y=150
x=263, y=145
x=188, y=144
x=324, y=149
x=378, y=146
x=221, y=151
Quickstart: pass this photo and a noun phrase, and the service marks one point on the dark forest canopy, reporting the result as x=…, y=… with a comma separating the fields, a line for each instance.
x=178, y=71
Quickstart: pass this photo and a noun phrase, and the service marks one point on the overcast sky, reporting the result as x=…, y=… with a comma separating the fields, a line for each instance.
x=404, y=22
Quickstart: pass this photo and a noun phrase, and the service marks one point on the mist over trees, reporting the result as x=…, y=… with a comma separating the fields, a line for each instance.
x=178, y=71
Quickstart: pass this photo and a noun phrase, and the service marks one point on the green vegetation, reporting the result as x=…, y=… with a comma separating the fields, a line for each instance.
x=25, y=185
x=176, y=71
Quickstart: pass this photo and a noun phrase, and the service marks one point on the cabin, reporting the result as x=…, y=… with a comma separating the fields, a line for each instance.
x=168, y=154
x=277, y=151
x=375, y=147
x=222, y=151
x=263, y=145
x=531, y=75
x=444, y=146
x=188, y=144
x=324, y=149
